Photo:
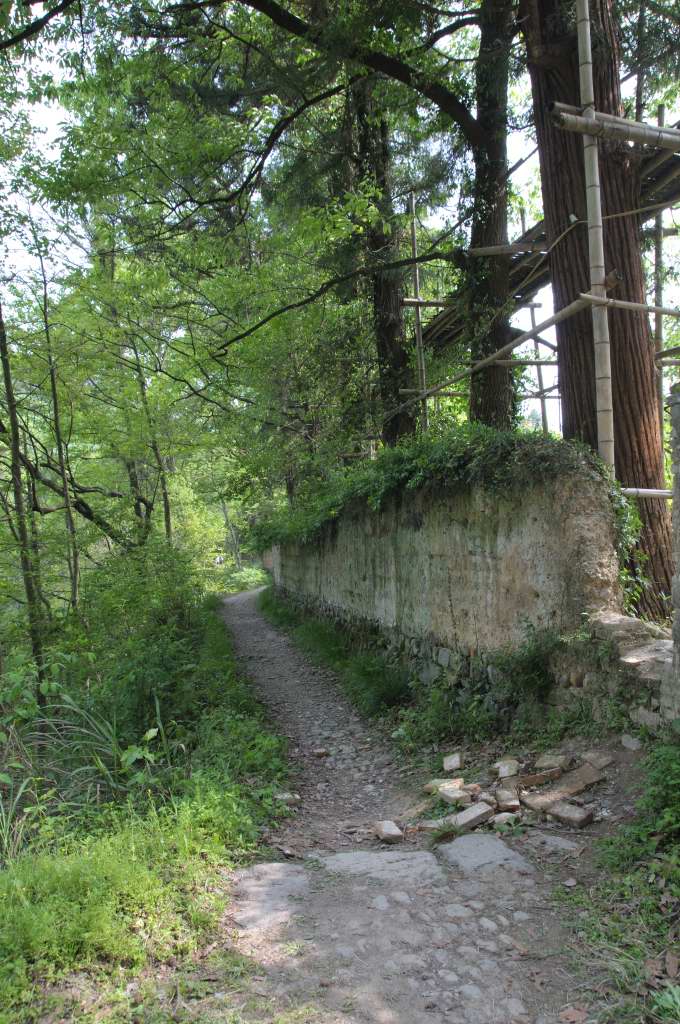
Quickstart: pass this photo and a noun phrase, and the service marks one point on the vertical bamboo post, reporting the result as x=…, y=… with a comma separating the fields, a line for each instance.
x=603, y=374
x=537, y=351
x=658, y=289
x=420, y=356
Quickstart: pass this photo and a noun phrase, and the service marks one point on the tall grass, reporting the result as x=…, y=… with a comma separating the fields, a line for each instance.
x=142, y=788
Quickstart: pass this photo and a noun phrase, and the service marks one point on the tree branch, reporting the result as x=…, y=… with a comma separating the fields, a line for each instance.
x=35, y=26
x=385, y=63
x=332, y=283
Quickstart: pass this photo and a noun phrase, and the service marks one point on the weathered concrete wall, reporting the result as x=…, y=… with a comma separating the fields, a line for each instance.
x=465, y=571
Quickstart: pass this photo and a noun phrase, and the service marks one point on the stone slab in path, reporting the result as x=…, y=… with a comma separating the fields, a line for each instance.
x=266, y=893
x=392, y=866
x=483, y=854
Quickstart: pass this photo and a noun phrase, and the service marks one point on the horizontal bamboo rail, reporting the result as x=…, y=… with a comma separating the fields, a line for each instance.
x=509, y=249
x=567, y=108
x=620, y=131
x=526, y=362
x=646, y=492
x=635, y=307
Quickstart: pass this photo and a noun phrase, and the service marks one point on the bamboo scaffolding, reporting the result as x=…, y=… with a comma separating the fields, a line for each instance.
x=619, y=131
x=634, y=307
x=603, y=375
x=420, y=356
x=574, y=307
x=466, y=394
x=567, y=108
x=447, y=304
x=539, y=371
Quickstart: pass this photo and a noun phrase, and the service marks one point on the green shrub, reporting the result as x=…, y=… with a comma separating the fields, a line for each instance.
x=246, y=578
x=472, y=454
x=124, y=859
x=502, y=693
x=630, y=915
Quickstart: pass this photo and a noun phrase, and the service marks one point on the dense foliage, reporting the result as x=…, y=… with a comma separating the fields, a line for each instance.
x=148, y=769
x=439, y=460
x=204, y=344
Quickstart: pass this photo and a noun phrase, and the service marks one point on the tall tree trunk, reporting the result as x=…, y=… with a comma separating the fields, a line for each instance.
x=553, y=64
x=34, y=611
x=395, y=366
x=72, y=552
x=491, y=391
x=153, y=443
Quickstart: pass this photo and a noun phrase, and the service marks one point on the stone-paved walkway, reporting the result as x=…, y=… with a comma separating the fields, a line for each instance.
x=348, y=931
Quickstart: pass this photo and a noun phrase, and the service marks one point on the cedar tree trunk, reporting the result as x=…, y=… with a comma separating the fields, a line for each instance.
x=491, y=391
x=550, y=33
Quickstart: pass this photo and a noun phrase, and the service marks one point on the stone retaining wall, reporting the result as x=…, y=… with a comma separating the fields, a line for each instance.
x=463, y=571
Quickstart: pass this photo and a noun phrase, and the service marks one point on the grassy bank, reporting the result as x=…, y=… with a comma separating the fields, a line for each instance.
x=152, y=775
x=629, y=921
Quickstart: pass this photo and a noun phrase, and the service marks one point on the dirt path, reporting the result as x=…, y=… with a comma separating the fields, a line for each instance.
x=350, y=931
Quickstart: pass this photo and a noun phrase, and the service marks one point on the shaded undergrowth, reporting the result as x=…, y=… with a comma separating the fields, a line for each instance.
x=147, y=774
x=481, y=697
x=629, y=920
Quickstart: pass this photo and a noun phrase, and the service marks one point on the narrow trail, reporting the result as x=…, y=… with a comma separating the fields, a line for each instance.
x=343, y=930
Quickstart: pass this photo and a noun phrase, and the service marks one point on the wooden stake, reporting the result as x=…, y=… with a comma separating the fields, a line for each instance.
x=603, y=373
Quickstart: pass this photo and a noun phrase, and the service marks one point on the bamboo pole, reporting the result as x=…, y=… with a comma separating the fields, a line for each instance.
x=600, y=116
x=603, y=375
x=619, y=131
x=509, y=249
x=673, y=351
x=420, y=356
x=539, y=371
x=646, y=492
x=635, y=307
x=574, y=307
x=526, y=362
x=658, y=292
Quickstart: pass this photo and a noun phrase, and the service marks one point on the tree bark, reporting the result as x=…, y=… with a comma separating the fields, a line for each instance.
x=35, y=616
x=491, y=391
x=395, y=367
x=550, y=34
